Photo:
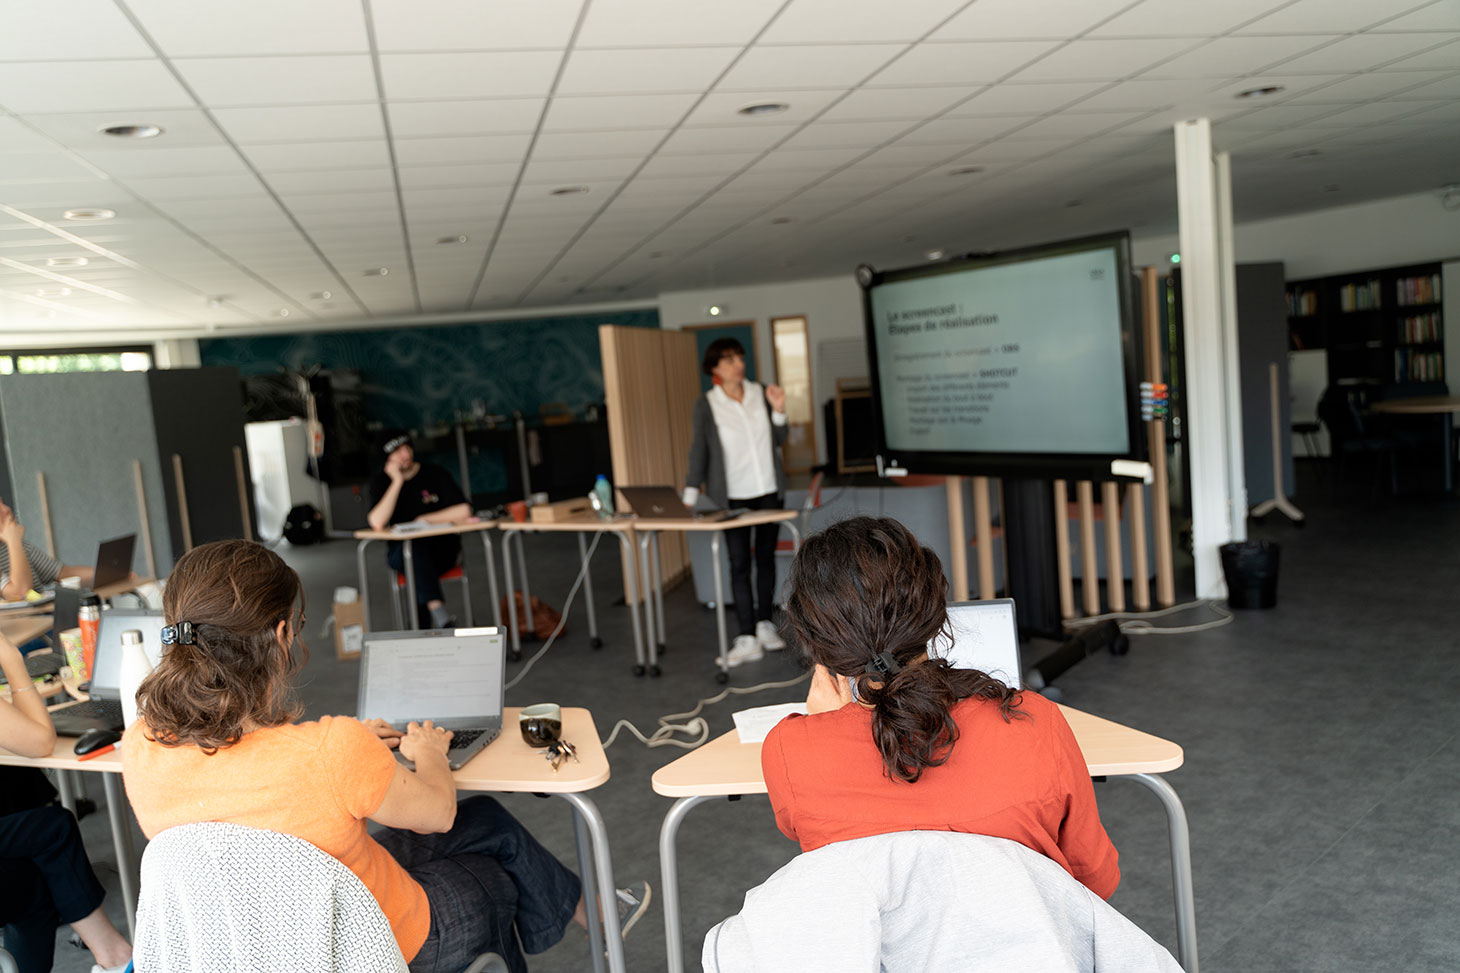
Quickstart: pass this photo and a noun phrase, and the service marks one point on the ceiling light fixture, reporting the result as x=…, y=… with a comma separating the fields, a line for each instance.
x=965, y=171
x=321, y=295
x=88, y=214
x=377, y=272
x=66, y=262
x=934, y=254
x=568, y=191
x=447, y=241
x=217, y=300
x=714, y=310
x=132, y=131
x=1262, y=92
x=763, y=108
x=282, y=312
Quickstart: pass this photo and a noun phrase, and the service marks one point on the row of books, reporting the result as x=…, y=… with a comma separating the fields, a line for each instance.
x=1302, y=303
x=1417, y=290
x=1359, y=297
x=1416, y=366
x=1420, y=328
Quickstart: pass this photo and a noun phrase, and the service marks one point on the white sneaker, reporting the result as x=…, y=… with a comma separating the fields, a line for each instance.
x=768, y=637
x=744, y=649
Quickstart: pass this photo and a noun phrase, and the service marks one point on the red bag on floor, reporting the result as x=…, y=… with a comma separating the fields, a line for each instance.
x=540, y=623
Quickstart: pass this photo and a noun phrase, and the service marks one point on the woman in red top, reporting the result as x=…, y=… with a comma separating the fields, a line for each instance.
x=897, y=741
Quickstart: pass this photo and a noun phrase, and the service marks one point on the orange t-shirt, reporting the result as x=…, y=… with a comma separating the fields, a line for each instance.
x=1025, y=780
x=316, y=781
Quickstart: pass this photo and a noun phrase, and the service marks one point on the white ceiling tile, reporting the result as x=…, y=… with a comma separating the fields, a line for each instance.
x=318, y=155
x=753, y=138
x=1363, y=52
x=1443, y=58
x=17, y=136
x=1071, y=125
x=660, y=69
x=965, y=131
x=914, y=102
x=1438, y=15
x=1277, y=118
x=576, y=172
x=911, y=153
x=157, y=160
x=1142, y=94
x=1182, y=18
x=1025, y=99
x=589, y=113
x=715, y=163
x=219, y=28
x=301, y=205
x=43, y=30
x=1322, y=16
x=1229, y=57
x=259, y=207
x=467, y=197
x=839, y=22
x=417, y=119
x=961, y=63
x=1103, y=60
x=227, y=81
x=195, y=187
x=301, y=123
x=1444, y=89
x=829, y=66
x=26, y=166
x=823, y=134
x=467, y=25
x=635, y=143
x=630, y=23
x=1374, y=113
x=505, y=74
x=475, y=148
x=1378, y=84
x=480, y=174
x=989, y=19
x=818, y=160
x=722, y=107
x=83, y=130
x=330, y=180
x=89, y=86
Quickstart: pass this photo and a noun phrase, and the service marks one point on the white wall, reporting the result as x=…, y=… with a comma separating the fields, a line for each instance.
x=1384, y=233
x=832, y=307
x=176, y=353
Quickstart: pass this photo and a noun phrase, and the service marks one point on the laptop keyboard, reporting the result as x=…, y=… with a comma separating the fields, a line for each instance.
x=107, y=710
x=464, y=738
x=43, y=664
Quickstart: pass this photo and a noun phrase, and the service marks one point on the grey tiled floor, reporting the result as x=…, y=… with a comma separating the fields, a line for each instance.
x=1322, y=774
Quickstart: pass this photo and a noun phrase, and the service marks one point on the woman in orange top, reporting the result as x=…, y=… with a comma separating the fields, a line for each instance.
x=214, y=741
x=897, y=741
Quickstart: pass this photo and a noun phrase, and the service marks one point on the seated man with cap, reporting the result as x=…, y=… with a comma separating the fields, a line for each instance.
x=410, y=490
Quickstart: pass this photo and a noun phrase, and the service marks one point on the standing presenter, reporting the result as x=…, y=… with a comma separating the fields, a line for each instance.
x=735, y=457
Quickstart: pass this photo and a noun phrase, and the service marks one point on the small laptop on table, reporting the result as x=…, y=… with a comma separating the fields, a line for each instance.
x=985, y=637
x=663, y=503
x=454, y=677
x=114, y=561
x=103, y=711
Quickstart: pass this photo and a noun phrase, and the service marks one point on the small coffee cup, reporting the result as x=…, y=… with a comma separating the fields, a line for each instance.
x=541, y=724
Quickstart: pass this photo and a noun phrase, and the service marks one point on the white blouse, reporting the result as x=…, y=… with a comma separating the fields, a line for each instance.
x=745, y=437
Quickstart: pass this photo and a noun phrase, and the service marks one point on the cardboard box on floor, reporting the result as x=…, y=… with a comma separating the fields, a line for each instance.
x=349, y=624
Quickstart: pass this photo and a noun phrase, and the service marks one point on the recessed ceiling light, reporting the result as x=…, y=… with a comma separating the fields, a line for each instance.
x=321, y=295
x=67, y=261
x=934, y=254
x=447, y=241
x=714, y=310
x=1262, y=92
x=88, y=214
x=282, y=312
x=217, y=300
x=53, y=292
x=965, y=171
x=377, y=272
x=1304, y=154
x=132, y=131
x=763, y=108
x=568, y=190
x=781, y=219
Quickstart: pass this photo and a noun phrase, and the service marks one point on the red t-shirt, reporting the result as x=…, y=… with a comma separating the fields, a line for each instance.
x=1024, y=780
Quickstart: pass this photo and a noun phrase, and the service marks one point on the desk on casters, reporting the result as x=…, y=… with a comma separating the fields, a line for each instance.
x=725, y=767
x=508, y=764
x=1429, y=405
x=483, y=528
x=649, y=529
x=620, y=527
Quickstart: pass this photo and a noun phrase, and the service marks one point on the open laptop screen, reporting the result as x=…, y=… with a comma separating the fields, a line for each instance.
x=447, y=676
x=106, y=680
x=985, y=637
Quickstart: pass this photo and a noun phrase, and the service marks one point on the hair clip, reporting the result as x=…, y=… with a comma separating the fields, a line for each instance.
x=883, y=665
x=179, y=634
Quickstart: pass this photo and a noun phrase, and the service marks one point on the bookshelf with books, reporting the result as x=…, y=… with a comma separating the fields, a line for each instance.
x=1383, y=326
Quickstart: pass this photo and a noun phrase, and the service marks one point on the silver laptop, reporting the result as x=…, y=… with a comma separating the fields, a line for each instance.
x=103, y=711
x=985, y=637
x=663, y=503
x=455, y=677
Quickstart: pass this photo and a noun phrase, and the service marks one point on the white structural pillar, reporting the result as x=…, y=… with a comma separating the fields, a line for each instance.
x=1213, y=423
x=1227, y=261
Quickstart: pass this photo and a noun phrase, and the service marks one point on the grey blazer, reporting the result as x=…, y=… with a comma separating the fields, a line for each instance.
x=707, y=456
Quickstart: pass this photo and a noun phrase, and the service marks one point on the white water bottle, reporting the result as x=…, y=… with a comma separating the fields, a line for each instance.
x=604, y=491
x=135, y=667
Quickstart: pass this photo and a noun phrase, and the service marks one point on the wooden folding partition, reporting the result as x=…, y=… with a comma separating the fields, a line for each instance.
x=651, y=382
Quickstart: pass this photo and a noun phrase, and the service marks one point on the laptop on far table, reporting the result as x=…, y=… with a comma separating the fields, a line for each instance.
x=985, y=637
x=454, y=677
x=114, y=561
x=663, y=503
x=103, y=711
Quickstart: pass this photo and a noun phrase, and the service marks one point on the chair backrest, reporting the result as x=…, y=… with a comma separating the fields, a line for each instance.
x=928, y=901
x=223, y=898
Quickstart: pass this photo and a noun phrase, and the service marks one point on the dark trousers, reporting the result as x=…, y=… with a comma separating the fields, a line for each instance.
x=47, y=880
x=748, y=609
x=491, y=886
x=432, y=557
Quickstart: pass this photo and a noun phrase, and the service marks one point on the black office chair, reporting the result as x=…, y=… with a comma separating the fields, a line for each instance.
x=1351, y=434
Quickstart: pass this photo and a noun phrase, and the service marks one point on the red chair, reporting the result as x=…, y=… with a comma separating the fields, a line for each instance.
x=454, y=574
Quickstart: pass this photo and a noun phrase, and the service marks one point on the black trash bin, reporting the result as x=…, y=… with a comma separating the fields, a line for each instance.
x=1251, y=569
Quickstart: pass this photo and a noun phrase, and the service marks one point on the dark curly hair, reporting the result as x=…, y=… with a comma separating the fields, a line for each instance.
x=866, y=586
x=718, y=349
x=235, y=594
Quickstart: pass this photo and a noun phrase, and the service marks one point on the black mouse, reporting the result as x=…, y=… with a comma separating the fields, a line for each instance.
x=95, y=740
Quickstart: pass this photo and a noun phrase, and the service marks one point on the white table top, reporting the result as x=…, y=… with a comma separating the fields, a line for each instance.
x=751, y=518
x=575, y=524
x=441, y=530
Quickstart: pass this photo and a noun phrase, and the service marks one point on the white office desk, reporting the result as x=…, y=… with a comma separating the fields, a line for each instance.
x=481, y=528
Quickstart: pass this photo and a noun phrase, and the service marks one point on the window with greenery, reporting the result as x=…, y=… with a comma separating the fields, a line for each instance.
x=45, y=362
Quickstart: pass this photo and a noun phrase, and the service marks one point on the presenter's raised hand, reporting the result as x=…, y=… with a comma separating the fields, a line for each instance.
x=776, y=396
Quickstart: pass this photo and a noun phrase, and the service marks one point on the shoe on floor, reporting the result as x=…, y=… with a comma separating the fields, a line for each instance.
x=768, y=637
x=633, y=902
x=745, y=648
x=112, y=969
x=441, y=618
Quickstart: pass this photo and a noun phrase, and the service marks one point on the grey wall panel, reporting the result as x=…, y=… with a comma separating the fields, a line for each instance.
x=1262, y=338
x=83, y=431
x=197, y=413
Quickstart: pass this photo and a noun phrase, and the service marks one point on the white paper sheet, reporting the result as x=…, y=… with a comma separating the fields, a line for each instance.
x=754, y=724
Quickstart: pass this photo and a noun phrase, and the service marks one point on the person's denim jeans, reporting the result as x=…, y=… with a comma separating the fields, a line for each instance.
x=45, y=880
x=491, y=886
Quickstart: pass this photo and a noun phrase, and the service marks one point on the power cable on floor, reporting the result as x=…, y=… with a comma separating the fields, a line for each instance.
x=697, y=725
x=1138, y=623
x=572, y=593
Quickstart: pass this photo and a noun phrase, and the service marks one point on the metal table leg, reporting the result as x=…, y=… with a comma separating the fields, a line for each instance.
x=116, y=811
x=1180, y=836
x=492, y=577
x=63, y=787
x=364, y=581
x=600, y=867
x=669, y=878
x=641, y=567
x=514, y=637
x=526, y=585
x=411, y=609
x=659, y=594
x=724, y=673
x=593, y=638
x=631, y=576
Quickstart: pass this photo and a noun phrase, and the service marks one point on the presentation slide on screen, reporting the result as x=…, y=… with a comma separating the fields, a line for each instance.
x=1016, y=358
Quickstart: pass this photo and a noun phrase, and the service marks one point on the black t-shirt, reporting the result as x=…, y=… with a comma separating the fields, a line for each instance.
x=431, y=489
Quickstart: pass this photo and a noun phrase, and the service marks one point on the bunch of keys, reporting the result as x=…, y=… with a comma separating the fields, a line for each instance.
x=558, y=753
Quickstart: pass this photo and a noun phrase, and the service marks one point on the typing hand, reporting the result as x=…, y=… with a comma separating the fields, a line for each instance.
x=386, y=732
x=424, y=738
